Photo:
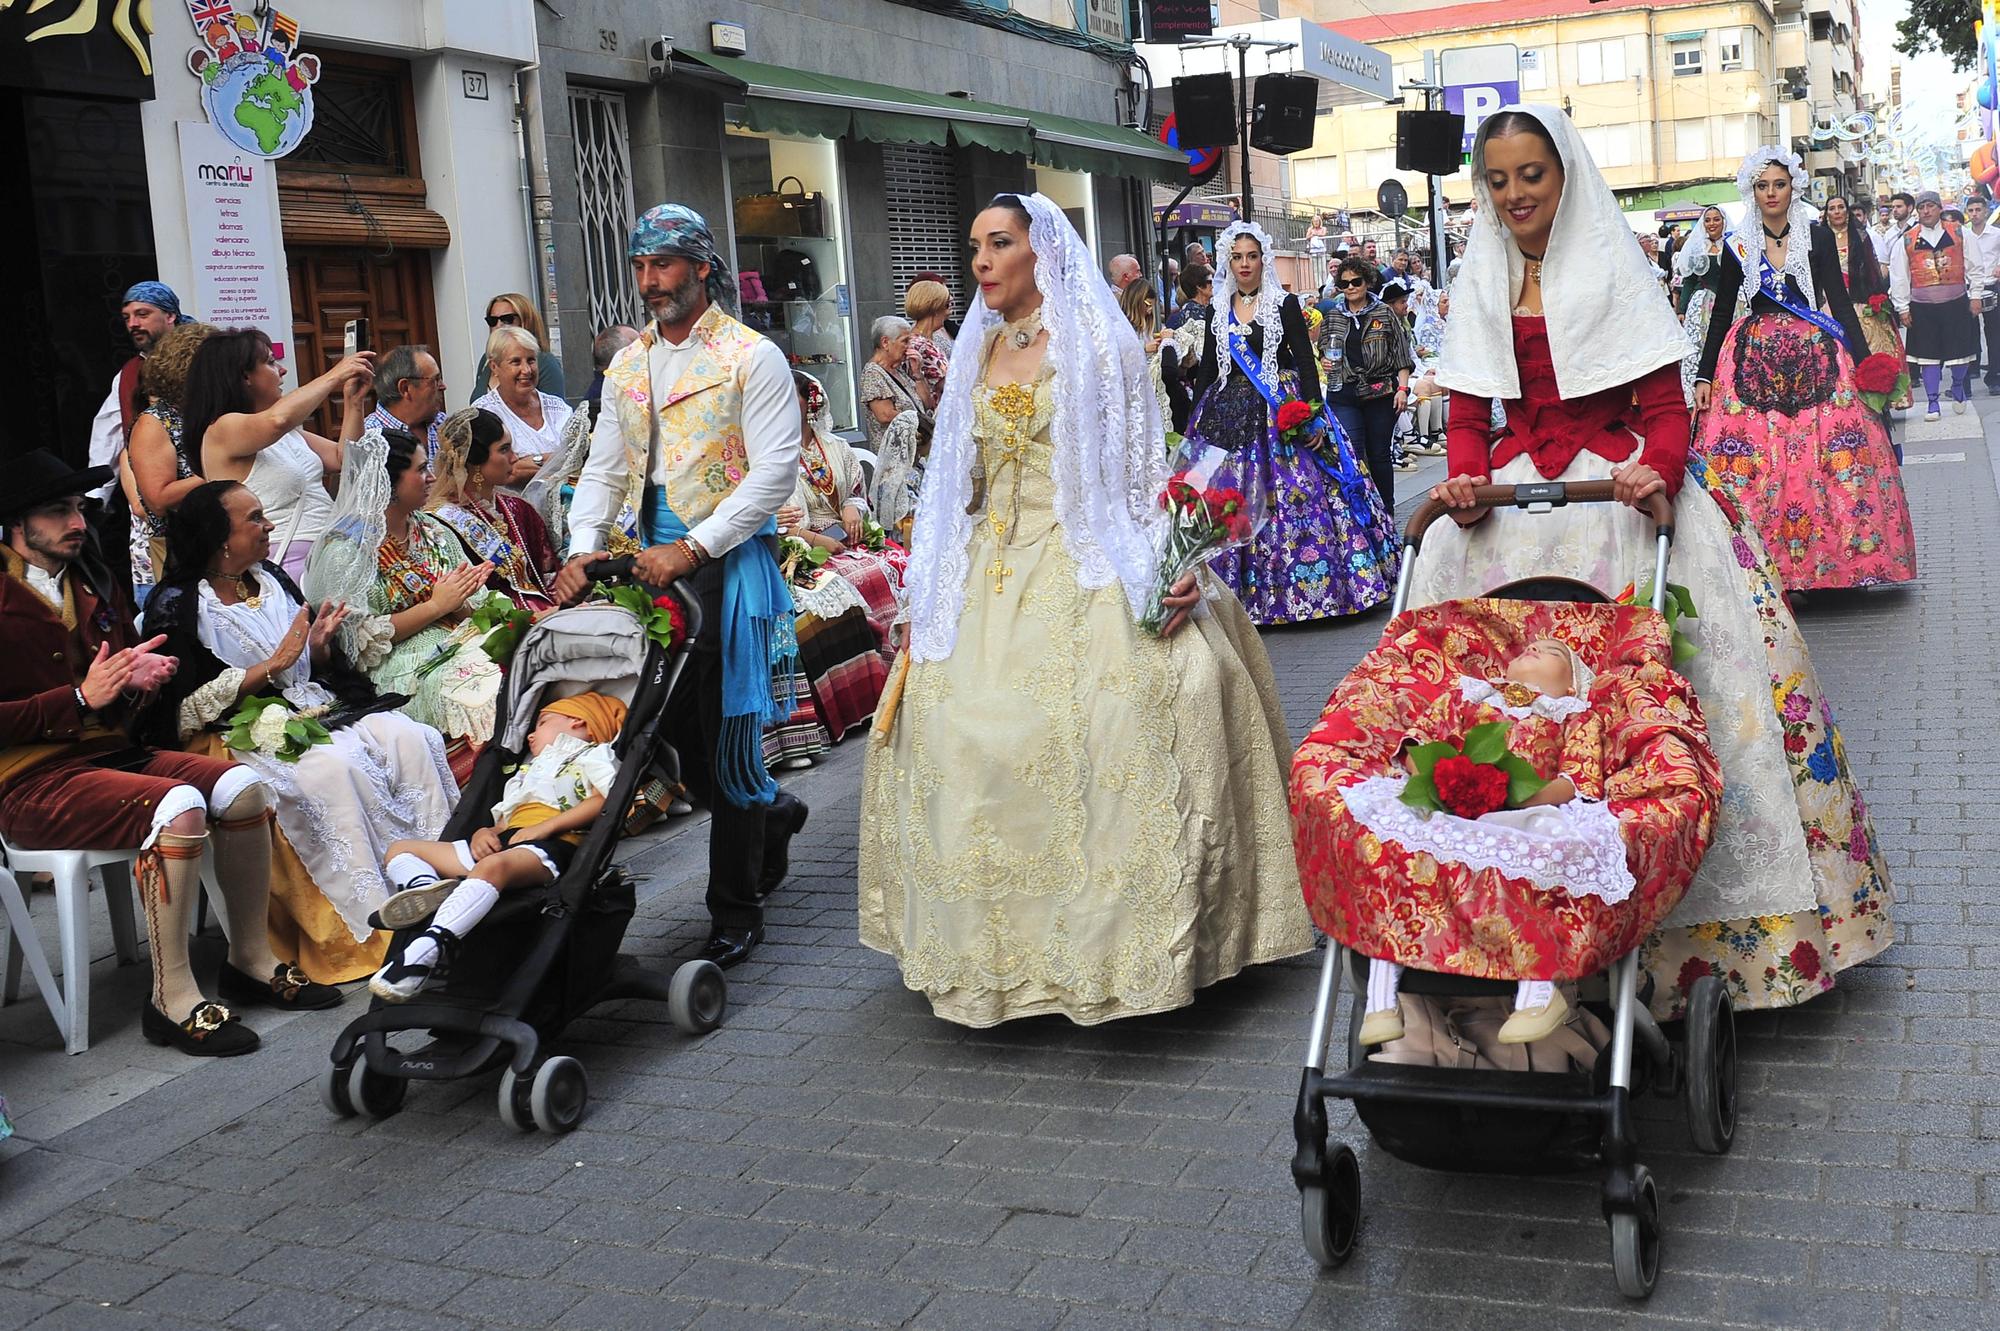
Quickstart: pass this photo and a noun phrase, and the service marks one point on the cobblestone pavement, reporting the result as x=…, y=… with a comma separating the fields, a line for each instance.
x=835, y=1157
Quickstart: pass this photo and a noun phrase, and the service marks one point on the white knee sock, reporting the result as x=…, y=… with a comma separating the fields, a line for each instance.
x=1533, y=994
x=1383, y=977
x=465, y=907
x=406, y=870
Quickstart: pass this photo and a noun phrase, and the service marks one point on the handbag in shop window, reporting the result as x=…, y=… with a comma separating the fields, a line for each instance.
x=783, y=212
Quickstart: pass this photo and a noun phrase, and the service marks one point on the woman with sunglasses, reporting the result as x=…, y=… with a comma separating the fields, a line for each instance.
x=1365, y=350
x=1327, y=546
x=513, y=310
x=534, y=418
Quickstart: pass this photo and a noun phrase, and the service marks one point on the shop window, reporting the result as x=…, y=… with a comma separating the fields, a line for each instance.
x=604, y=203
x=789, y=216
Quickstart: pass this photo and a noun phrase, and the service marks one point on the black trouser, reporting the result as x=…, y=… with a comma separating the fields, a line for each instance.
x=694, y=727
x=1371, y=426
x=1989, y=319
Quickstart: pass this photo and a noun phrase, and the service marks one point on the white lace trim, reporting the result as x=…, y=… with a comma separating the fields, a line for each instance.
x=1270, y=303
x=370, y=638
x=831, y=599
x=1573, y=848
x=207, y=703
x=1553, y=709
x=1109, y=462
x=1747, y=237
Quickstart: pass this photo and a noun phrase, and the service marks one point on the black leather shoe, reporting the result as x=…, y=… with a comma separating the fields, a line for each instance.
x=781, y=824
x=289, y=988
x=210, y=1031
x=726, y=947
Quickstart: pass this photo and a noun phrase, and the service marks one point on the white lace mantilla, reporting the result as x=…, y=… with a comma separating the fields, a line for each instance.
x=1746, y=239
x=1573, y=848
x=1493, y=695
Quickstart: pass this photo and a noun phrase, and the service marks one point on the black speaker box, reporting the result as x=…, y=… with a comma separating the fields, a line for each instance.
x=1205, y=111
x=1430, y=142
x=1282, y=110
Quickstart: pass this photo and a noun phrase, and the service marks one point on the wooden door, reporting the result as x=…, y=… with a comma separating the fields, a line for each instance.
x=334, y=284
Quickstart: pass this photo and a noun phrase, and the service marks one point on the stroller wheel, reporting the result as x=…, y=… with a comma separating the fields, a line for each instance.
x=559, y=1094
x=1709, y=1086
x=515, y=1110
x=1635, y=1239
x=697, y=996
x=1330, y=1211
x=373, y=1094
x=333, y=1090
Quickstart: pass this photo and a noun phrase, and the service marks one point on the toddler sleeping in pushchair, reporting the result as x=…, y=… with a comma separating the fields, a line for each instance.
x=1553, y=879
x=540, y=820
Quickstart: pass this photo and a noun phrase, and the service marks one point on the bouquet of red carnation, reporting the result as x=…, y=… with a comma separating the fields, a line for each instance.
x=1878, y=303
x=1881, y=379
x=1472, y=781
x=1213, y=504
x=1297, y=421
x=660, y=616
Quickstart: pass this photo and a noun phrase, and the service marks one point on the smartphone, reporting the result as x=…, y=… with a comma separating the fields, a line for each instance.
x=357, y=336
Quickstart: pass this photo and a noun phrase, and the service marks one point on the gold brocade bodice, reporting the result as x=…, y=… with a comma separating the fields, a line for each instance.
x=1013, y=497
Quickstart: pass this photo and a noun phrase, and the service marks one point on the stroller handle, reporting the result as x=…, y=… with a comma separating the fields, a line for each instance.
x=619, y=568
x=1553, y=493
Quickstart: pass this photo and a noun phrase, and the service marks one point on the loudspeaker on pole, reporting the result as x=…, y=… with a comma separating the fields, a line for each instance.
x=1282, y=110
x=1205, y=111
x=1430, y=142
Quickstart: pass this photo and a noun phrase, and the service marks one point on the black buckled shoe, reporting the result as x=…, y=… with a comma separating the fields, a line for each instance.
x=288, y=988
x=411, y=906
x=400, y=980
x=784, y=821
x=210, y=1031
x=728, y=947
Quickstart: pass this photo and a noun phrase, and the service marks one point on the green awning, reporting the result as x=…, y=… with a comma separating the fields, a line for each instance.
x=778, y=100
x=1713, y=191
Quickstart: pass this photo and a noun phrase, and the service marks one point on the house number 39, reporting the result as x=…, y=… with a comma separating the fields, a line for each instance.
x=607, y=40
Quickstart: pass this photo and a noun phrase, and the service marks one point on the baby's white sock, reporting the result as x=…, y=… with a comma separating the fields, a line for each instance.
x=1383, y=977
x=406, y=870
x=465, y=907
x=1533, y=994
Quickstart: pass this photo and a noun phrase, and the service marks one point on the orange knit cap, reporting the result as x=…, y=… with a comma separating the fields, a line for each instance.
x=602, y=715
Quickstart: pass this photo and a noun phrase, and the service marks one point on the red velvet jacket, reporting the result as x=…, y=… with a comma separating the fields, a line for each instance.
x=43, y=661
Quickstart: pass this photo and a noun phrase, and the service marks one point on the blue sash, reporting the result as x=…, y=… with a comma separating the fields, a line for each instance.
x=758, y=637
x=1778, y=292
x=1337, y=461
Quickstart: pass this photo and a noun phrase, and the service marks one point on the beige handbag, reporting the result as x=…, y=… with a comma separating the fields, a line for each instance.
x=1464, y=1033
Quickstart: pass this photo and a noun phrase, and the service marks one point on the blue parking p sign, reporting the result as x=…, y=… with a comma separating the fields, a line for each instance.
x=1476, y=101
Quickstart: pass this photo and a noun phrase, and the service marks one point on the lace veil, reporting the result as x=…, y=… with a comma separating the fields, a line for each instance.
x=1746, y=238
x=543, y=492
x=1270, y=302
x=1109, y=463
x=342, y=565
x=1608, y=322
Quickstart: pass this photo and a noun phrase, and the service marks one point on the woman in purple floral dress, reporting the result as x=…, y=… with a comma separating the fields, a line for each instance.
x=1327, y=546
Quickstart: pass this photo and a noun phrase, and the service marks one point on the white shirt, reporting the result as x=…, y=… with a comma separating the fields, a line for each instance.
x=1884, y=239
x=289, y=480
x=47, y=585
x=1983, y=247
x=554, y=776
x=527, y=440
x=1978, y=268
x=107, y=438
x=771, y=429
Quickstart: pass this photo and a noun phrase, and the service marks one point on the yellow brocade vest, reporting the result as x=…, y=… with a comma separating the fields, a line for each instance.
x=699, y=423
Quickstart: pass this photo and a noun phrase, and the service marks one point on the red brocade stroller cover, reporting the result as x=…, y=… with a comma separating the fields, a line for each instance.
x=1642, y=748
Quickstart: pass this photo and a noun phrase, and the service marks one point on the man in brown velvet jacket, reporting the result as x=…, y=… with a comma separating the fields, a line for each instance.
x=72, y=678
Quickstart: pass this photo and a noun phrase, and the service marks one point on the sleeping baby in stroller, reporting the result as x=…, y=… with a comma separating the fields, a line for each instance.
x=1570, y=878
x=541, y=818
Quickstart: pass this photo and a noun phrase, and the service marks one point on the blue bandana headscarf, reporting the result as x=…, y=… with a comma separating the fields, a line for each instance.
x=160, y=296
x=670, y=228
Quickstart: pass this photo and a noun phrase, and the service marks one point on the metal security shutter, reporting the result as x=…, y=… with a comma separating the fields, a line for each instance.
x=925, y=234
x=604, y=203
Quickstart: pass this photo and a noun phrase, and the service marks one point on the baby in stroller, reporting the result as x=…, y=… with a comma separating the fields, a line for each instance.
x=541, y=818
x=1562, y=831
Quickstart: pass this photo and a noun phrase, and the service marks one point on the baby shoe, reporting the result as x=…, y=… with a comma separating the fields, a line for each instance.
x=1381, y=1027
x=1529, y=1024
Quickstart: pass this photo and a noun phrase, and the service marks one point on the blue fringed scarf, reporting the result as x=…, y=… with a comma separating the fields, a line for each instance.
x=759, y=639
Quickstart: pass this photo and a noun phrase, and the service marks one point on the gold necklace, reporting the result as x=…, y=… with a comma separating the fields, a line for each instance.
x=248, y=592
x=1021, y=332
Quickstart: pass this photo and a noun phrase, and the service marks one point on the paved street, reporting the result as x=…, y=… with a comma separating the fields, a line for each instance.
x=835, y=1157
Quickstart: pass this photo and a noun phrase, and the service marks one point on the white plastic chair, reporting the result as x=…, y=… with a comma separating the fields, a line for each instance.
x=72, y=870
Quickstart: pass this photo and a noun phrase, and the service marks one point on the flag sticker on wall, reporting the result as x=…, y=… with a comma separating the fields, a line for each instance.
x=255, y=84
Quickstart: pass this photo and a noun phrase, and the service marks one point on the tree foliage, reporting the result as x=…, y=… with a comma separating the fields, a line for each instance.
x=1940, y=25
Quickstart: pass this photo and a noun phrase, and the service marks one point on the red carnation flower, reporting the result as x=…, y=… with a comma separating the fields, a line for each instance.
x=1467, y=788
x=1877, y=302
x=1805, y=959
x=1877, y=373
x=1292, y=415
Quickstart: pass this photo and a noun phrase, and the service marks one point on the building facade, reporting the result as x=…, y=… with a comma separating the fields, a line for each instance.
x=1669, y=94
x=838, y=150
x=1820, y=72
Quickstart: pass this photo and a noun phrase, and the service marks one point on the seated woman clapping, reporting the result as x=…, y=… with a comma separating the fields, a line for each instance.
x=475, y=458
x=241, y=631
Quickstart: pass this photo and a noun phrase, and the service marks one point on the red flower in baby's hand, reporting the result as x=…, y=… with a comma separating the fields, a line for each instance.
x=1878, y=373
x=1467, y=788
x=1292, y=415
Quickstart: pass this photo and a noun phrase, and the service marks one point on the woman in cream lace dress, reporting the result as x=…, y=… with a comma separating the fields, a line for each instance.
x=1063, y=814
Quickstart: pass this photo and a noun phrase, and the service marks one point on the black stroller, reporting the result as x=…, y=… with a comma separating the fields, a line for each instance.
x=542, y=957
x=1485, y=1120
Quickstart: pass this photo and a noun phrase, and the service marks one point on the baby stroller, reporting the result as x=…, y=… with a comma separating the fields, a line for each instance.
x=1488, y=1120
x=543, y=956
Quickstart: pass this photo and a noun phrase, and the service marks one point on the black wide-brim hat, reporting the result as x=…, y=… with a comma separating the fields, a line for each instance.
x=40, y=476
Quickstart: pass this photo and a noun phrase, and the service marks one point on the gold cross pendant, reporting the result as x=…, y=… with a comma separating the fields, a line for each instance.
x=999, y=572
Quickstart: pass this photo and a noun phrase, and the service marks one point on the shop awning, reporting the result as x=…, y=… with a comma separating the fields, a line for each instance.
x=1713, y=191
x=778, y=100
